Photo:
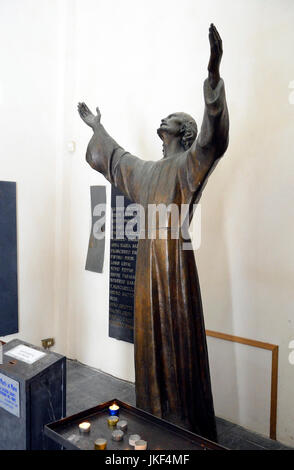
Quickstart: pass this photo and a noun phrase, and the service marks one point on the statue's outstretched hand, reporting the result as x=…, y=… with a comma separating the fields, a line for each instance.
x=216, y=52
x=88, y=117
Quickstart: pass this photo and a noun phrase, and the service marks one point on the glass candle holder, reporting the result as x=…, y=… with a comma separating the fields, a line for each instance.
x=84, y=427
x=133, y=438
x=113, y=410
x=140, y=445
x=117, y=435
x=122, y=425
x=100, y=444
x=112, y=421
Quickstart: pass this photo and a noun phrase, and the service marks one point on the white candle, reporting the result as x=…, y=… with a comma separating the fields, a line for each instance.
x=123, y=425
x=117, y=435
x=133, y=438
x=85, y=427
x=140, y=445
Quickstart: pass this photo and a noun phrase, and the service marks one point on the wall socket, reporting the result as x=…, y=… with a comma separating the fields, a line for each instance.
x=48, y=343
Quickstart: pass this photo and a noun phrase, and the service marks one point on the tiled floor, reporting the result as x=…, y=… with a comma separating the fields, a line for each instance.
x=87, y=387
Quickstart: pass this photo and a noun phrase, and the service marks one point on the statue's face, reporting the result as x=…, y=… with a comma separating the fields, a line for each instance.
x=171, y=124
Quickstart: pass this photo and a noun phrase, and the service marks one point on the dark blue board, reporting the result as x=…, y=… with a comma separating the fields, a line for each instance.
x=123, y=257
x=95, y=256
x=8, y=259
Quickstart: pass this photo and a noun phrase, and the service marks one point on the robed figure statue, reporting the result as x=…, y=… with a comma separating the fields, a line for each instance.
x=171, y=361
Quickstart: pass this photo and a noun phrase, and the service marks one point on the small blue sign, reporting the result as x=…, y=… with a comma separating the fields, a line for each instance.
x=9, y=395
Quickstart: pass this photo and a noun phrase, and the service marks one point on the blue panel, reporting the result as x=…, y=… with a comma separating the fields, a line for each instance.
x=8, y=259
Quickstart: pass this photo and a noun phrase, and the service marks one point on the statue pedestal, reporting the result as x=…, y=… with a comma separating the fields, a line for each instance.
x=32, y=394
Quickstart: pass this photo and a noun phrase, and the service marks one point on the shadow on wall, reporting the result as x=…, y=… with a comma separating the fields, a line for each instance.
x=215, y=281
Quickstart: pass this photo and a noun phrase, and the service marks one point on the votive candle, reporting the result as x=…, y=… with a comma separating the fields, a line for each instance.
x=122, y=425
x=133, y=438
x=113, y=410
x=84, y=427
x=100, y=444
x=140, y=445
x=112, y=421
x=117, y=435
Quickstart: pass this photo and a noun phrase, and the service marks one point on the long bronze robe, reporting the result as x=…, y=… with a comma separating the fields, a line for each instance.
x=171, y=361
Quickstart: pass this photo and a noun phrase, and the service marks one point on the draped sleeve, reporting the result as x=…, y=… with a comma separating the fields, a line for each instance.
x=212, y=142
x=120, y=168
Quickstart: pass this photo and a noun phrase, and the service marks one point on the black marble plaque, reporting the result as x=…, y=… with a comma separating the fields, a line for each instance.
x=95, y=257
x=123, y=255
x=8, y=259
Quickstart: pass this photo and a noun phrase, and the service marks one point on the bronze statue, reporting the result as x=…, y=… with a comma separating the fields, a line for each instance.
x=171, y=361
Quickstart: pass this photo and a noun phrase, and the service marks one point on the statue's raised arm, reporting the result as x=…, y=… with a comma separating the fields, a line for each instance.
x=88, y=117
x=216, y=53
x=213, y=138
x=105, y=155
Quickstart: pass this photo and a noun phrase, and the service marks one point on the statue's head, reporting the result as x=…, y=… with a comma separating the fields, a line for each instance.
x=180, y=125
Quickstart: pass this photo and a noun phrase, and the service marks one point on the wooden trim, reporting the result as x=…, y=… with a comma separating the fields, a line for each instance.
x=274, y=393
x=274, y=374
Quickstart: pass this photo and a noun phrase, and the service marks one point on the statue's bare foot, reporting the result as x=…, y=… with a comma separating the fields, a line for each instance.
x=88, y=117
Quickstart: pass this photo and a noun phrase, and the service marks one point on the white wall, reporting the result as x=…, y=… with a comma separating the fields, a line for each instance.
x=139, y=61
x=28, y=63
